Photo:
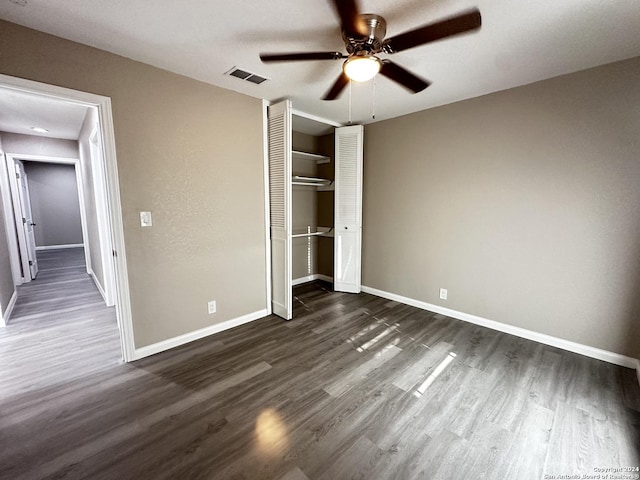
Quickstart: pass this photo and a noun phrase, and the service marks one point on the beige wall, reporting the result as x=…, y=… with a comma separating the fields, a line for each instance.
x=304, y=142
x=326, y=146
x=524, y=204
x=190, y=153
x=312, y=255
x=304, y=209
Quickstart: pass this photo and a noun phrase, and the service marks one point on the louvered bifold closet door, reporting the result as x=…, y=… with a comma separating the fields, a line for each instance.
x=279, y=116
x=348, y=209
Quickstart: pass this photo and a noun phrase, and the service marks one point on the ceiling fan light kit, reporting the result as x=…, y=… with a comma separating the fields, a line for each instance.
x=364, y=39
x=361, y=68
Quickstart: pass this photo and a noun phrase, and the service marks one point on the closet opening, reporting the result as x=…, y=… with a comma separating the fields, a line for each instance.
x=315, y=200
x=313, y=189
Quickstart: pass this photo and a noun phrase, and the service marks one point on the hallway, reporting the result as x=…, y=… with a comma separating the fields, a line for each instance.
x=59, y=321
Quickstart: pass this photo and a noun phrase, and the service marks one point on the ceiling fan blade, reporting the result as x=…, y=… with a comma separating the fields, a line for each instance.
x=348, y=12
x=292, y=57
x=337, y=87
x=404, y=77
x=464, y=22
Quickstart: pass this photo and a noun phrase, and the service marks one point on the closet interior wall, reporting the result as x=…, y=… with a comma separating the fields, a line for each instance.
x=312, y=208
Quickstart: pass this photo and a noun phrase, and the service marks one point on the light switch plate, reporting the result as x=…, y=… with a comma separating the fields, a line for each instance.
x=145, y=219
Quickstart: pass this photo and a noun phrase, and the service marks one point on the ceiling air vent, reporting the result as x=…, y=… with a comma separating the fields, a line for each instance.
x=245, y=75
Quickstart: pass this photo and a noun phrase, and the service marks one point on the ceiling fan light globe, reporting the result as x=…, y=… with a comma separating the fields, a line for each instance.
x=361, y=68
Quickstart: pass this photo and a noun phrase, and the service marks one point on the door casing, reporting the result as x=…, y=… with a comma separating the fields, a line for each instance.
x=103, y=106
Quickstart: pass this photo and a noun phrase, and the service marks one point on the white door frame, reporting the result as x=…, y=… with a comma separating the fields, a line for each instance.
x=102, y=210
x=105, y=118
x=267, y=200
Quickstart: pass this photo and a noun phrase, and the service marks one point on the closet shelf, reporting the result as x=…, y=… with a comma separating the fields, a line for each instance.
x=319, y=159
x=319, y=232
x=310, y=181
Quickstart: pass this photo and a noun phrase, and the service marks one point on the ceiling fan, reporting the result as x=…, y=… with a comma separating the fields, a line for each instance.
x=363, y=35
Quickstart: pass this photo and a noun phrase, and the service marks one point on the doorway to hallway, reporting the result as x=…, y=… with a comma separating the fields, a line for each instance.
x=103, y=230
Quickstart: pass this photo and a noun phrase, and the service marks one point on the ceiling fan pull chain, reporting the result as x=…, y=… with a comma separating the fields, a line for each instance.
x=350, y=82
x=373, y=108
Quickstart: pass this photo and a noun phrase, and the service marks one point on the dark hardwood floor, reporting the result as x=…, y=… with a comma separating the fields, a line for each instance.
x=354, y=387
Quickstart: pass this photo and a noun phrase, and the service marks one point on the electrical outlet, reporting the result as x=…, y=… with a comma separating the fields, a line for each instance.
x=443, y=294
x=212, y=307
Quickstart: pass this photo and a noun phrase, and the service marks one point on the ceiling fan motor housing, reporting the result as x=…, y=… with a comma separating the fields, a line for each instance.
x=364, y=38
x=369, y=37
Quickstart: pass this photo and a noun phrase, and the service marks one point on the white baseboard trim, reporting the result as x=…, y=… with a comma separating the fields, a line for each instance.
x=59, y=247
x=196, y=335
x=97, y=283
x=311, y=278
x=6, y=315
x=568, y=345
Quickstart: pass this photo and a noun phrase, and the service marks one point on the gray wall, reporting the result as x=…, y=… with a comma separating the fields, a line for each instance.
x=524, y=204
x=189, y=152
x=53, y=191
x=6, y=279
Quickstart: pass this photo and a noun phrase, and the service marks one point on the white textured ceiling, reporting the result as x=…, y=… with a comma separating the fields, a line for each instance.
x=520, y=42
x=19, y=112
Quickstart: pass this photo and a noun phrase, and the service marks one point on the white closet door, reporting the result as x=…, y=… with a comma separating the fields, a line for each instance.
x=348, y=209
x=280, y=205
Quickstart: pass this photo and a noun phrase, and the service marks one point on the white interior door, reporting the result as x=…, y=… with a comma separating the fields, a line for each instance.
x=279, y=116
x=24, y=201
x=348, y=209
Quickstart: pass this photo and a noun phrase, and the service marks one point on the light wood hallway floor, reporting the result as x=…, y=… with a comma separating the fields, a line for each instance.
x=354, y=387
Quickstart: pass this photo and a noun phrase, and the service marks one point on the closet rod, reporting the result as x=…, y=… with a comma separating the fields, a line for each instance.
x=324, y=233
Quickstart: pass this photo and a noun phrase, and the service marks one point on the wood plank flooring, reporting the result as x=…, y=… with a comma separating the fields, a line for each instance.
x=354, y=387
x=60, y=329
